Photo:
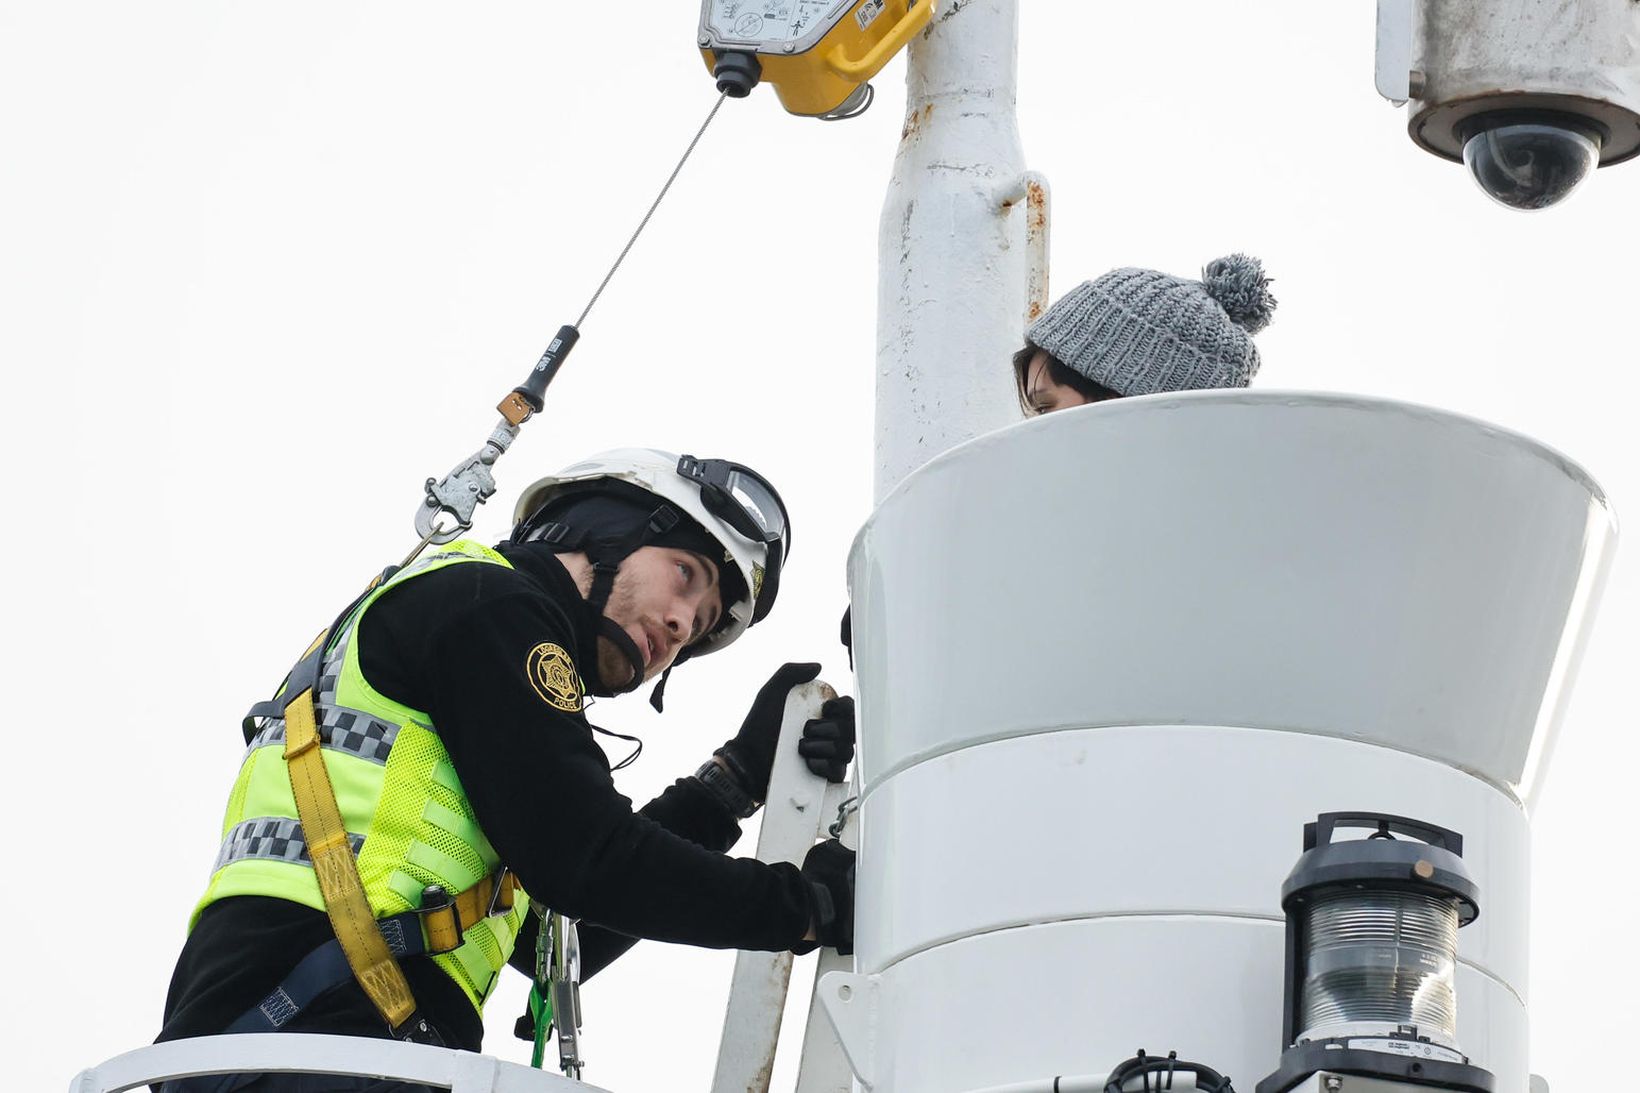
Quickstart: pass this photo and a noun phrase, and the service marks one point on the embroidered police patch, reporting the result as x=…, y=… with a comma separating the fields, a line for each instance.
x=554, y=678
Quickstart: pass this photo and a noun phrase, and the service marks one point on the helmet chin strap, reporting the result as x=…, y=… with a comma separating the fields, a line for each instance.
x=606, y=557
x=656, y=697
x=603, y=583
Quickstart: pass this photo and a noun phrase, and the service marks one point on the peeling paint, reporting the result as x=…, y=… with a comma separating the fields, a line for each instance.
x=947, y=270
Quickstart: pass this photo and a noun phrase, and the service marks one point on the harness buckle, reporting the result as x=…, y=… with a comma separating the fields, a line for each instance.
x=442, y=934
x=501, y=895
x=416, y=1030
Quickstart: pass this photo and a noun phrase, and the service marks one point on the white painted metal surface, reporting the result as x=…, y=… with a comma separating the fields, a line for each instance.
x=294, y=1053
x=1183, y=819
x=1348, y=566
x=1111, y=660
x=952, y=259
x=1006, y=1006
x=1477, y=55
x=794, y=816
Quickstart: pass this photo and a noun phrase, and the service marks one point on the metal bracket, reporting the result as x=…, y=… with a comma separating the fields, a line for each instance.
x=1393, y=57
x=1032, y=189
x=850, y=1002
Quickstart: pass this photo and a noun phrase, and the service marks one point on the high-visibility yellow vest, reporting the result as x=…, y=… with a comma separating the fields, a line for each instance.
x=404, y=809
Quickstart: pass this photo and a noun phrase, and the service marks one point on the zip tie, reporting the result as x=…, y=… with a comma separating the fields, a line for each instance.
x=645, y=222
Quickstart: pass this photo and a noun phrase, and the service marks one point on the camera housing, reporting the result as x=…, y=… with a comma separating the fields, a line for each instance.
x=1530, y=159
x=1530, y=96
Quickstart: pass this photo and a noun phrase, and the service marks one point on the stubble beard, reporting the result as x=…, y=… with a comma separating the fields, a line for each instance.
x=614, y=669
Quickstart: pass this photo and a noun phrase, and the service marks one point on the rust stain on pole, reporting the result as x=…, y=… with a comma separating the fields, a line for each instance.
x=1038, y=206
x=914, y=120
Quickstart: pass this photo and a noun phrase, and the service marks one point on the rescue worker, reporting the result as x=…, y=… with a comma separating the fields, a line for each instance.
x=448, y=706
x=1142, y=332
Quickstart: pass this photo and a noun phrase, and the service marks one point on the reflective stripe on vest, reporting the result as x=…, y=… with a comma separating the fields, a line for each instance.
x=271, y=837
x=341, y=729
x=407, y=817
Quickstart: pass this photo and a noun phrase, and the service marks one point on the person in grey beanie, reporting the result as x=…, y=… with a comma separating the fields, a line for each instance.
x=1140, y=332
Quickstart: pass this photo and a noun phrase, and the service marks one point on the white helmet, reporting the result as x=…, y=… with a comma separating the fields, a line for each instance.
x=734, y=505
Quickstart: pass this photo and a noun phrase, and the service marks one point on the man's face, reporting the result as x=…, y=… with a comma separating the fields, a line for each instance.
x=663, y=598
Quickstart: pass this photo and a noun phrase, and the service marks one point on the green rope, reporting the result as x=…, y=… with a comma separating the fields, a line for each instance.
x=541, y=1014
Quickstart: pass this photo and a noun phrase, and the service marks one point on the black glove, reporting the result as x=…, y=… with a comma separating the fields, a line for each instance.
x=829, y=869
x=828, y=740
x=750, y=755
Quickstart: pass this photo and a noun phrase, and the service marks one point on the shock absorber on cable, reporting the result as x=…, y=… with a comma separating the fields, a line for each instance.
x=470, y=483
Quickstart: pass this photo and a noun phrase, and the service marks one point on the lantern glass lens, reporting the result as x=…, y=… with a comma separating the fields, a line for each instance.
x=1380, y=959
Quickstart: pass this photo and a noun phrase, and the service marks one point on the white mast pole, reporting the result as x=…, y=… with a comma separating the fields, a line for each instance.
x=951, y=247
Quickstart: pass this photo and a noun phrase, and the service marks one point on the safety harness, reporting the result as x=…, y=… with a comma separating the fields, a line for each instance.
x=366, y=949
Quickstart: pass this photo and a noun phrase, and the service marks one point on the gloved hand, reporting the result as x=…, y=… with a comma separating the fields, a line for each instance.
x=828, y=740
x=829, y=869
x=750, y=755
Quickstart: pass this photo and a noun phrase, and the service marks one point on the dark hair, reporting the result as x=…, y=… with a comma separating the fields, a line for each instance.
x=1060, y=373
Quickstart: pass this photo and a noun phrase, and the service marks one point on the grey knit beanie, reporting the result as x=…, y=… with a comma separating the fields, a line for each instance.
x=1138, y=332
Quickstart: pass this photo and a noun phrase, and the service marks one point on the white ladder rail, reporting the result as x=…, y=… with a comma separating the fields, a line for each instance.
x=823, y=1067
x=800, y=807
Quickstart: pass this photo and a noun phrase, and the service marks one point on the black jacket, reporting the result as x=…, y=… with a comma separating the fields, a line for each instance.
x=455, y=643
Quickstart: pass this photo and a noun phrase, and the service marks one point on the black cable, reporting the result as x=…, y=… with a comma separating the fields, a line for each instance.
x=1143, y=1066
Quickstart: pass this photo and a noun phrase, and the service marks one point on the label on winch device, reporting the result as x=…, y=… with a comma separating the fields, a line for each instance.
x=1415, y=1049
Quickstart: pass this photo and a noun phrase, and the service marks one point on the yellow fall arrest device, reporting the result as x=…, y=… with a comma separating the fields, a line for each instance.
x=818, y=54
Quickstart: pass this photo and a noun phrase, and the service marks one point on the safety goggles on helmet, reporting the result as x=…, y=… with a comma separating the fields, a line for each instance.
x=745, y=500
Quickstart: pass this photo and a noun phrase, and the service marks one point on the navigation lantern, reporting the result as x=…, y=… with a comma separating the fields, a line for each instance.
x=1372, y=940
x=818, y=54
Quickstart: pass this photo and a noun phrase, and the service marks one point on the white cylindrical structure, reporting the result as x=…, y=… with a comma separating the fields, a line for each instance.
x=951, y=245
x=1110, y=661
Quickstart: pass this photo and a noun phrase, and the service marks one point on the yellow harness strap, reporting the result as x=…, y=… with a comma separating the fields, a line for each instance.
x=350, y=915
x=443, y=929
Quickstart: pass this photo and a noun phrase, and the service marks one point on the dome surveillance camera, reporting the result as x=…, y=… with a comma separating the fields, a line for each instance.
x=1530, y=159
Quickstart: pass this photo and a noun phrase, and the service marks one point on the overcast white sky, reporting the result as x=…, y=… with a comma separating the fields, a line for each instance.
x=265, y=267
